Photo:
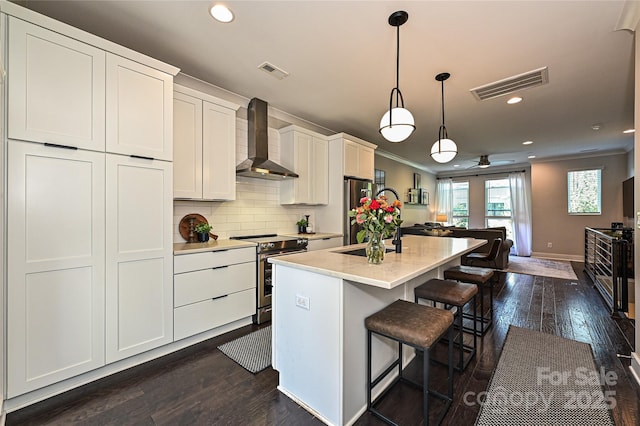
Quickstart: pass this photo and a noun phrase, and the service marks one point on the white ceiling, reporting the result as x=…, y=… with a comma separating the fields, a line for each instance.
x=341, y=60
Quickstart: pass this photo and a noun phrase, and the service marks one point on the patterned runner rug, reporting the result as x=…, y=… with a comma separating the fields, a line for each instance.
x=542, y=379
x=252, y=352
x=542, y=267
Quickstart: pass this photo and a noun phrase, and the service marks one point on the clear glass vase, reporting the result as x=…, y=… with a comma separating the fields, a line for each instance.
x=375, y=248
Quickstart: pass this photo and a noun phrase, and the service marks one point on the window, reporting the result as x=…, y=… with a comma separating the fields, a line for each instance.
x=461, y=204
x=379, y=179
x=498, y=205
x=584, y=195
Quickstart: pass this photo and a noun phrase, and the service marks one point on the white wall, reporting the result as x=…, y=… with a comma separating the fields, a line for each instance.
x=399, y=176
x=551, y=221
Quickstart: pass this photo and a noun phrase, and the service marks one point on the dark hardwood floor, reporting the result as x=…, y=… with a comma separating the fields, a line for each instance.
x=201, y=386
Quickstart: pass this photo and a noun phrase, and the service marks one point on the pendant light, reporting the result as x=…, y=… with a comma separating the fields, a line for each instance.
x=444, y=149
x=397, y=123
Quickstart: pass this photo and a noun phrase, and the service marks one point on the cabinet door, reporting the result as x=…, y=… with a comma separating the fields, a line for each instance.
x=218, y=152
x=187, y=146
x=351, y=159
x=366, y=163
x=139, y=245
x=303, y=149
x=139, y=109
x=57, y=91
x=320, y=174
x=55, y=264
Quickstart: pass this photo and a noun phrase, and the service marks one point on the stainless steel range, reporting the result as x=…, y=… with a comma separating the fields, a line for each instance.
x=270, y=245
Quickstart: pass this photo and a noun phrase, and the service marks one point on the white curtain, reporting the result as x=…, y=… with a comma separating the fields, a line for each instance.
x=521, y=213
x=444, y=198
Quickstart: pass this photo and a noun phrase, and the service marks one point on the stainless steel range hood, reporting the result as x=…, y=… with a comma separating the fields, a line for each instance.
x=258, y=164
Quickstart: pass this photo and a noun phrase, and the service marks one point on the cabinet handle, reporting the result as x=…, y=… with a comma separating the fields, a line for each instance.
x=219, y=297
x=142, y=157
x=220, y=267
x=324, y=239
x=55, y=145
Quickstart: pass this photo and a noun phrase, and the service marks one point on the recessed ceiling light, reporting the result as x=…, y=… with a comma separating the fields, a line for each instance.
x=514, y=100
x=456, y=165
x=629, y=131
x=527, y=142
x=596, y=127
x=531, y=156
x=221, y=13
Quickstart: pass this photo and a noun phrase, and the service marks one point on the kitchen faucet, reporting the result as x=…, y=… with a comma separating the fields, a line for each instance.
x=397, y=237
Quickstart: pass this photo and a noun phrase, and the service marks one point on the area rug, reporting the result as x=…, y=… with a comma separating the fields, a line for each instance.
x=252, y=352
x=542, y=267
x=542, y=379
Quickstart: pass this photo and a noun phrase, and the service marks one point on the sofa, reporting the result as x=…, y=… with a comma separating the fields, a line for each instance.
x=489, y=234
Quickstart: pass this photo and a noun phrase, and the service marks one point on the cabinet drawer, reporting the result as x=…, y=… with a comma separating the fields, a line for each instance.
x=202, y=316
x=197, y=286
x=325, y=243
x=213, y=259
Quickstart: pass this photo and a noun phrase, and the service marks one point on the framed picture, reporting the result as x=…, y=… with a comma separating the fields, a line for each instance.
x=424, y=196
x=416, y=180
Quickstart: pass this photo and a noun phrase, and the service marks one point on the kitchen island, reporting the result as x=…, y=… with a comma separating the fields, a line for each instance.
x=320, y=301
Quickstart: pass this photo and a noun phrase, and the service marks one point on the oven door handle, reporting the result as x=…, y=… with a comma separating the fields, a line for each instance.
x=285, y=253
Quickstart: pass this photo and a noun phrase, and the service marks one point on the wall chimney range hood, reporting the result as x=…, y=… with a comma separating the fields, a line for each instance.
x=258, y=164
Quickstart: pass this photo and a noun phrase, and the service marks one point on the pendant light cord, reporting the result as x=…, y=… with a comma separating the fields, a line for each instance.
x=398, y=64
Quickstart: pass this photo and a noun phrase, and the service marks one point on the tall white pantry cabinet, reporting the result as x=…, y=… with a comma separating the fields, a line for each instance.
x=89, y=196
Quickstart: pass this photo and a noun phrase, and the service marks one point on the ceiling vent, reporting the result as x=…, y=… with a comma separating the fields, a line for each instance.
x=512, y=84
x=273, y=71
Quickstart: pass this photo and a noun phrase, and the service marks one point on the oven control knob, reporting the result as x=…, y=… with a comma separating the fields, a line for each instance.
x=271, y=245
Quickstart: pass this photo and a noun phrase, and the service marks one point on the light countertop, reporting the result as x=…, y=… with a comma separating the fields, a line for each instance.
x=419, y=255
x=211, y=245
x=315, y=236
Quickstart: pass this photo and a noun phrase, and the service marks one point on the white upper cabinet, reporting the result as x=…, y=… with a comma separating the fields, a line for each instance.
x=55, y=264
x=139, y=256
x=187, y=144
x=204, y=146
x=56, y=89
x=139, y=109
x=307, y=154
x=358, y=160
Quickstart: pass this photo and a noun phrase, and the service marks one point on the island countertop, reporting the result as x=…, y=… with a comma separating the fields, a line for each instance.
x=420, y=254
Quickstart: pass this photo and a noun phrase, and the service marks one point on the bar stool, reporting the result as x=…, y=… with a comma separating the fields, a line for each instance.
x=482, y=278
x=414, y=325
x=453, y=293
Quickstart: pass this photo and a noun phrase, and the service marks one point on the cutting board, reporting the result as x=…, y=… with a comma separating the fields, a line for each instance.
x=183, y=228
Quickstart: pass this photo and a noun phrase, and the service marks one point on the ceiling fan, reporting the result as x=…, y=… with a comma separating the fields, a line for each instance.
x=483, y=162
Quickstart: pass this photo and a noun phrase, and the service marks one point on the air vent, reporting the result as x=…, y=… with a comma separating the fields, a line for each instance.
x=273, y=71
x=512, y=84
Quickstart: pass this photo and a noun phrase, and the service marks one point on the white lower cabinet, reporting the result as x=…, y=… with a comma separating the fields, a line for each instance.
x=212, y=289
x=139, y=296
x=55, y=264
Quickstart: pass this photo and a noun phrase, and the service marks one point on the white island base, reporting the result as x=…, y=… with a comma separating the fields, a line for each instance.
x=320, y=301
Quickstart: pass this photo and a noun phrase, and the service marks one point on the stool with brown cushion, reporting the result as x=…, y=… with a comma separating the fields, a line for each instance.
x=453, y=293
x=414, y=325
x=482, y=277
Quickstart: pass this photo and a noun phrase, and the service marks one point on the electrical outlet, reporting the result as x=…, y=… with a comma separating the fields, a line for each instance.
x=549, y=245
x=302, y=301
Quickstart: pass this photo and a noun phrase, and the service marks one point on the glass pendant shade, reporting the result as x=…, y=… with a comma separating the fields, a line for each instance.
x=444, y=150
x=399, y=126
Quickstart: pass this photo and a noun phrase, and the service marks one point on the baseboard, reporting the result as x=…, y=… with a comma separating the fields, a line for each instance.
x=558, y=256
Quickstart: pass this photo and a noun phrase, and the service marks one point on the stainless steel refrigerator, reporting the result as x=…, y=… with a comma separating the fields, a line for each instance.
x=354, y=190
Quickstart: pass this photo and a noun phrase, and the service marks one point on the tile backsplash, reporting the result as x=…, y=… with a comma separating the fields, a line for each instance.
x=256, y=209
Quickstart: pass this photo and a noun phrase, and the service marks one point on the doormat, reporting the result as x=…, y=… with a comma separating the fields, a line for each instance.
x=252, y=352
x=542, y=379
x=542, y=267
